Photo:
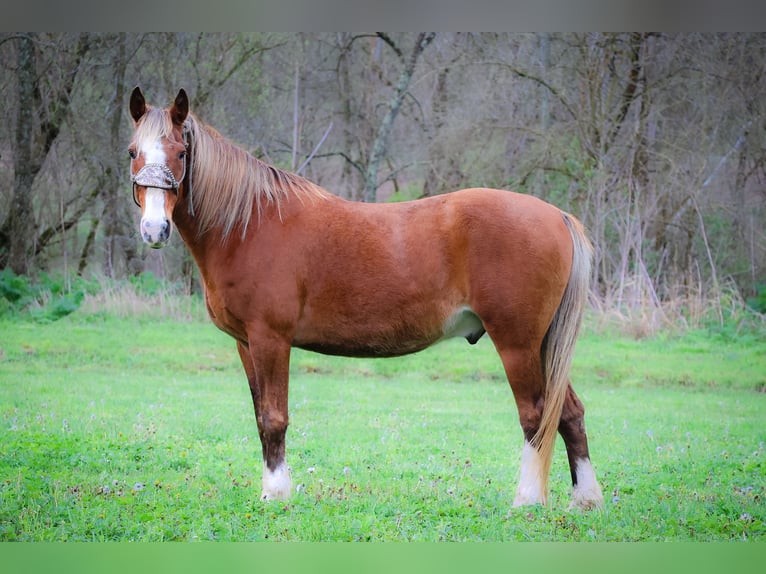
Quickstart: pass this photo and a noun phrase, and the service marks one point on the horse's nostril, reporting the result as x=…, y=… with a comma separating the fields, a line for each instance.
x=156, y=229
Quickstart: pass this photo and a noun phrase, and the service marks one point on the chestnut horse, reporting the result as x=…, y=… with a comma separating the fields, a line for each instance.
x=286, y=264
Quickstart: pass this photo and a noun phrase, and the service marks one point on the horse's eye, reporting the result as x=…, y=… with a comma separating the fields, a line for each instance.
x=182, y=155
x=132, y=153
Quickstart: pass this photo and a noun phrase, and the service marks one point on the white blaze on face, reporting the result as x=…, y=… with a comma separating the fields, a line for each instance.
x=530, y=490
x=155, y=227
x=277, y=483
x=154, y=224
x=153, y=152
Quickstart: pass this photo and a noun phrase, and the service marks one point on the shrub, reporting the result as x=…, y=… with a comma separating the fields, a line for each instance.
x=44, y=298
x=758, y=302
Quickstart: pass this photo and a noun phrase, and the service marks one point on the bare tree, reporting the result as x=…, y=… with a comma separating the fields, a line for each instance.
x=120, y=242
x=43, y=107
x=380, y=144
x=656, y=141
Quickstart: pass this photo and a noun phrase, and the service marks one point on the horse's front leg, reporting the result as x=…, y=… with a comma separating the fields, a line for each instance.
x=266, y=361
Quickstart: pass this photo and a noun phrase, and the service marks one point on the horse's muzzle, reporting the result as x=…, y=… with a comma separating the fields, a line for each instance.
x=155, y=232
x=155, y=225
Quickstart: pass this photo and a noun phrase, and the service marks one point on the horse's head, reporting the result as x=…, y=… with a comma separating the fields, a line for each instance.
x=158, y=159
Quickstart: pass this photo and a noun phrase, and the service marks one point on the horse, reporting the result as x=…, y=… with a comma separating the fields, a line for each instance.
x=286, y=264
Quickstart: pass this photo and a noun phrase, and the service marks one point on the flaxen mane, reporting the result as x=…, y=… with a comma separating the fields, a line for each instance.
x=228, y=185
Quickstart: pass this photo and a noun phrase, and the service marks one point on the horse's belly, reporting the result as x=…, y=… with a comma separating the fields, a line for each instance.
x=390, y=339
x=363, y=349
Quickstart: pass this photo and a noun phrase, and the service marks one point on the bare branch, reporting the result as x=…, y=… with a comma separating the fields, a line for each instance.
x=388, y=40
x=313, y=152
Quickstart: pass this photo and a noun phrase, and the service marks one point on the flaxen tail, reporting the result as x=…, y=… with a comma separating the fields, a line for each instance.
x=559, y=343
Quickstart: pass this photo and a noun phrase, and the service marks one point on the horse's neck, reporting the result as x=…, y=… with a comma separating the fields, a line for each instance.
x=186, y=225
x=211, y=245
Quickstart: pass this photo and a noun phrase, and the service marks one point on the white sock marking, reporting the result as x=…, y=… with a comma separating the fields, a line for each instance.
x=587, y=492
x=530, y=490
x=276, y=484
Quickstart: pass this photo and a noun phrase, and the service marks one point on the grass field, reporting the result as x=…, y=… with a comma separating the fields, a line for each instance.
x=135, y=429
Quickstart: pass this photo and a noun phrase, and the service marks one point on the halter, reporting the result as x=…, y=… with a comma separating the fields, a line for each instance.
x=160, y=176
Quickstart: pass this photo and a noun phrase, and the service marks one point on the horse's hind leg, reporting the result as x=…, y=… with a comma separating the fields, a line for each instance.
x=524, y=373
x=586, y=492
x=267, y=374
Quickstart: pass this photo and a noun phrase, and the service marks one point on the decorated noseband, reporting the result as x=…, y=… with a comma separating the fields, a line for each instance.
x=156, y=175
x=159, y=175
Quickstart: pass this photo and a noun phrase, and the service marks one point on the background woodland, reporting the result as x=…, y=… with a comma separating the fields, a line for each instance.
x=655, y=141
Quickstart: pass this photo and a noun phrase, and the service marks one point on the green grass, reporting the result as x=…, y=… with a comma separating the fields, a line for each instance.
x=134, y=429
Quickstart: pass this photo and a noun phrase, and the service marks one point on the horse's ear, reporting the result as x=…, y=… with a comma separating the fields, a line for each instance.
x=180, y=108
x=137, y=104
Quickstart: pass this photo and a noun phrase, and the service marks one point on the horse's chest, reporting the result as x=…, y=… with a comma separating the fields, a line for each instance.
x=222, y=318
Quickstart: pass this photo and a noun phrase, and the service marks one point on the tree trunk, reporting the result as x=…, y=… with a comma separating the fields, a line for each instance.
x=19, y=225
x=444, y=173
x=38, y=124
x=380, y=144
x=544, y=48
x=120, y=249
